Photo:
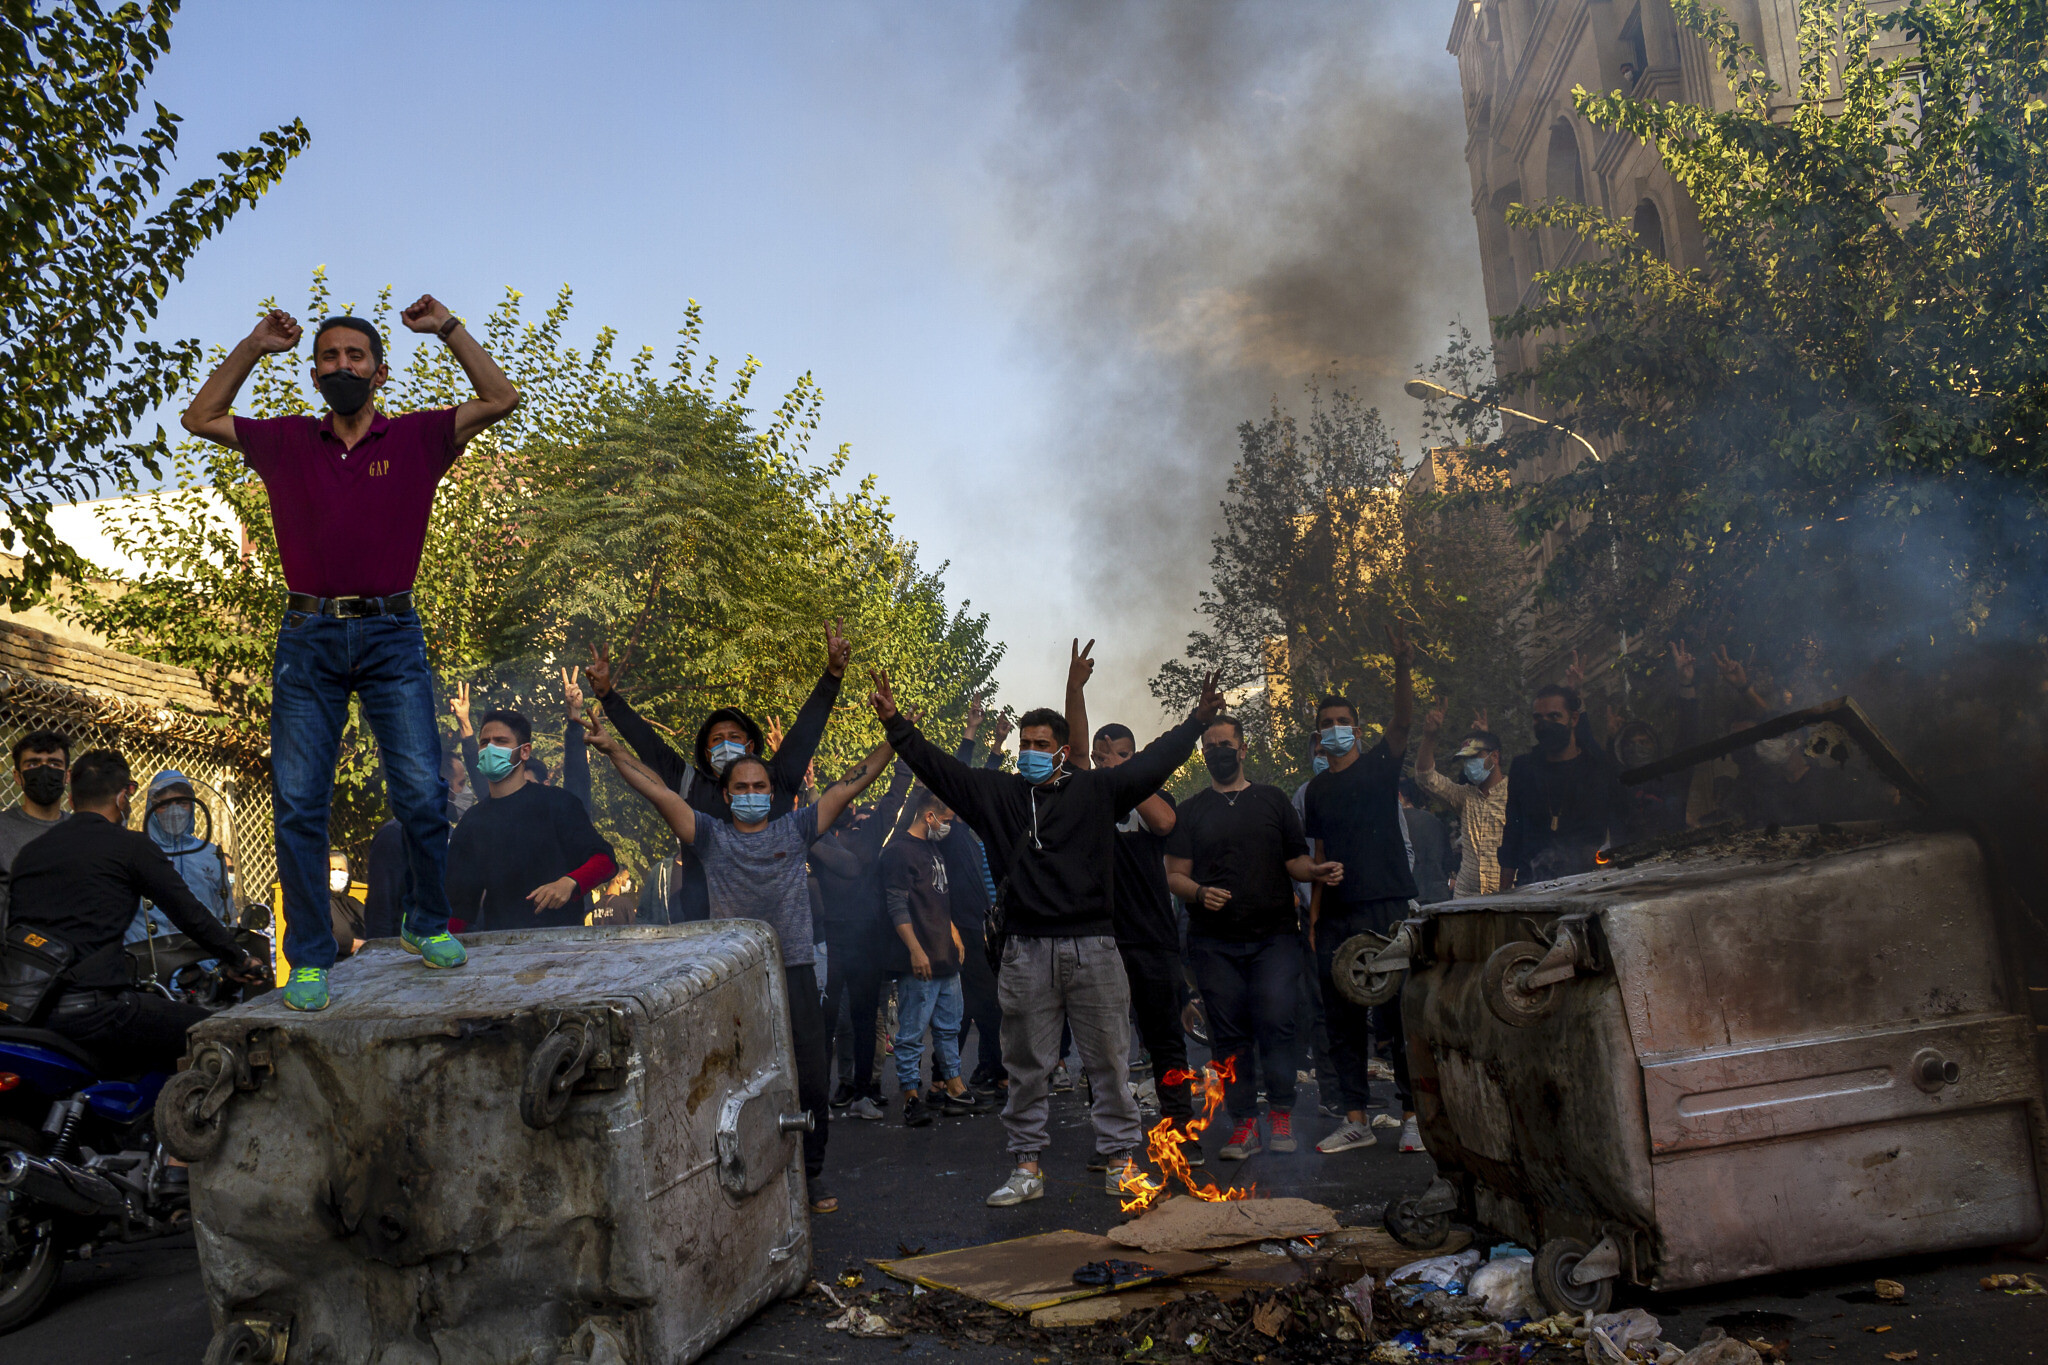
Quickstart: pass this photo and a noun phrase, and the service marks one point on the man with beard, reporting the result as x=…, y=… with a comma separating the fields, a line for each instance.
x=1565, y=801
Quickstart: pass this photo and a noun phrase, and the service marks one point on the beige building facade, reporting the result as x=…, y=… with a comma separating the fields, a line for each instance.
x=1519, y=62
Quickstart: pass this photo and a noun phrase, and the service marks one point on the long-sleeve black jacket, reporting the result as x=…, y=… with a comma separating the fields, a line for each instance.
x=786, y=769
x=81, y=882
x=1054, y=844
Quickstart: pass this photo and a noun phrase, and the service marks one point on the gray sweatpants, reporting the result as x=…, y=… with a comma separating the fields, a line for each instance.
x=1079, y=981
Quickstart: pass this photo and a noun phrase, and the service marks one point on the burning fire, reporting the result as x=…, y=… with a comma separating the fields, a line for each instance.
x=1163, y=1144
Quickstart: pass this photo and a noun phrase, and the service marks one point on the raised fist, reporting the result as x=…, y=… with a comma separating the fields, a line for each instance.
x=277, y=331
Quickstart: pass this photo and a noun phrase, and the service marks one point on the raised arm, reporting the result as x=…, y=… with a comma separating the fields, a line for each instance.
x=1147, y=770
x=793, y=756
x=1080, y=740
x=676, y=811
x=212, y=412
x=575, y=753
x=496, y=395
x=958, y=785
x=840, y=794
x=1403, y=650
x=646, y=741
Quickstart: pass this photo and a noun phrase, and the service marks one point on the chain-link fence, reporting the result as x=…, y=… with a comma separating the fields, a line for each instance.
x=232, y=779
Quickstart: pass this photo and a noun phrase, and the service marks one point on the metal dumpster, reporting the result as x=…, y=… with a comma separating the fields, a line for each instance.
x=1784, y=1049
x=583, y=1133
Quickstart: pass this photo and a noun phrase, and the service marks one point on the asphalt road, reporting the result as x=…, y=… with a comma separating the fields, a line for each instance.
x=923, y=1188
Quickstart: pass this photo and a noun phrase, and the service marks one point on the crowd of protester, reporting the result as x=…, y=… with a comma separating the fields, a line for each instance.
x=983, y=928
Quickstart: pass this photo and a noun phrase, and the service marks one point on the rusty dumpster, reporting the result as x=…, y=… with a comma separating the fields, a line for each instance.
x=584, y=1141
x=1780, y=1049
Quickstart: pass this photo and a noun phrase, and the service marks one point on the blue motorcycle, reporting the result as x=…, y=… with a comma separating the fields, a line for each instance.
x=80, y=1163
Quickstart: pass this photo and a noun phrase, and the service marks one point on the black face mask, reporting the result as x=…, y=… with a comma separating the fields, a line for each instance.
x=345, y=391
x=1553, y=736
x=44, y=786
x=1223, y=761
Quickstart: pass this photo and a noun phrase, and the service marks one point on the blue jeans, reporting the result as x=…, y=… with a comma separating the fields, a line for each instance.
x=383, y=661
x=920, y=1005
x=1250, y=990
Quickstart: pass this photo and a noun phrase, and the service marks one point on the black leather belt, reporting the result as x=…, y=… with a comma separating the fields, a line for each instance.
x=349, y=608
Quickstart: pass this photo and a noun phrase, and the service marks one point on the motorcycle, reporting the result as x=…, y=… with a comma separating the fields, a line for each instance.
x=80, y=1163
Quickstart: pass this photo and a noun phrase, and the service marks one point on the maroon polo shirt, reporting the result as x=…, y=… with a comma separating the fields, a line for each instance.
x=350, y=523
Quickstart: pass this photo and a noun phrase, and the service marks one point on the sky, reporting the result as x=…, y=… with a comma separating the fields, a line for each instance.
x=1041, y=257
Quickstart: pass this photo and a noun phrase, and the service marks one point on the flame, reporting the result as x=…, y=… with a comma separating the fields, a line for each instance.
x=1601, y=858
x=1163, y=1145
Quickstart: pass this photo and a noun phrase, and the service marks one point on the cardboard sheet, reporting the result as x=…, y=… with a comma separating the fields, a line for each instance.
x=1187, y=1224
x=1027, y=1274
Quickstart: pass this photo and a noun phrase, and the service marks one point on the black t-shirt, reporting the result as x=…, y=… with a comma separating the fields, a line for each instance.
x=505, y=848
x=1241, y=841
x=1143, y=911
x=918, y=890
x=1356, y=812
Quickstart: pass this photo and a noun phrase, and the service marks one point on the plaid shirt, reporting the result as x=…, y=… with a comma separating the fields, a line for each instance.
x=1484, y=814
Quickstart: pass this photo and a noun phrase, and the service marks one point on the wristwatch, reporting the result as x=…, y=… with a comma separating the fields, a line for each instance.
x=447, y=329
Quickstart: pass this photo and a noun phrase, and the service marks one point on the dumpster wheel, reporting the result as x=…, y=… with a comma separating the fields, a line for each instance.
x=1501, y=981
x=186, y=1131
x=1555, y=1262
x=243, y=1342
x=1351, y=971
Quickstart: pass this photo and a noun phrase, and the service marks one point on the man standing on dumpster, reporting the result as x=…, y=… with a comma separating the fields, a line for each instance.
x=350, y=494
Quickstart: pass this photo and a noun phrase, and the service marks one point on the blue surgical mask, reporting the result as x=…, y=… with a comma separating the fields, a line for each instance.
x=751, y=807
x=724, y=753
x=1339, y=739
x=1037, y=765
x=1475, y=769
x=1320, y=764
x=496, y=762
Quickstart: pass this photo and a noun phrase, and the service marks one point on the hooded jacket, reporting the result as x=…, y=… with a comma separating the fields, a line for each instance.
x=200, y=863
x=1054, y=845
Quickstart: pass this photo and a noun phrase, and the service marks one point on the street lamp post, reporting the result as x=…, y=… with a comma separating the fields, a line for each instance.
x=1426, y=389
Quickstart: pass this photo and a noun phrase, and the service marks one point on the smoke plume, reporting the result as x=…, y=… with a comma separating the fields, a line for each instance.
x=1217, y=203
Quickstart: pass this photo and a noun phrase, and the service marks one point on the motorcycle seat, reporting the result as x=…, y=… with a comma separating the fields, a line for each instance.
x=55, y=1042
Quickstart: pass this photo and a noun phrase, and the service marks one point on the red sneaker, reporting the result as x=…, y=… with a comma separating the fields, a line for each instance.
x=1244, y=1141
x=1280, y=1131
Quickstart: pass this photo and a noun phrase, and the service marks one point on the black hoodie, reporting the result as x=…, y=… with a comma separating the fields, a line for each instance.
x=1054, y=844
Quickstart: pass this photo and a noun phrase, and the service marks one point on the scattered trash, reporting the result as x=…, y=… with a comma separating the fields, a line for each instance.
x=1359, y=1295
x=1506, y=1287
x=2014, y=1284
x=1901, y=1355
x=1112, y=1274
x=1188, y=1224
x=1718, y=1348
x=592, y=1344
x=1612, y=1336
x=1891, y=1291
x=1884, y=1328
x=1445, y=1272
x=1270, y=1318
x=855, y=1320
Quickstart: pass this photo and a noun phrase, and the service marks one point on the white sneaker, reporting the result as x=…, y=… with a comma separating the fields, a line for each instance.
x=1385, y=1121
x=1126, y=1169
x=1411, y=1136
x=864, y=1108
x=1021, y=1188
x=1345, y=1137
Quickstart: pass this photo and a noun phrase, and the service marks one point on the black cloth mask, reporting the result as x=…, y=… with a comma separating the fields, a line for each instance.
x=1553, y=736
x=1223, y=761
x=44, y=786
x=345, y=391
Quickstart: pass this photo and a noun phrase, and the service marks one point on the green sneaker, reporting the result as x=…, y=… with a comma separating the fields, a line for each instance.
x=436, y=950
x=307, y=990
